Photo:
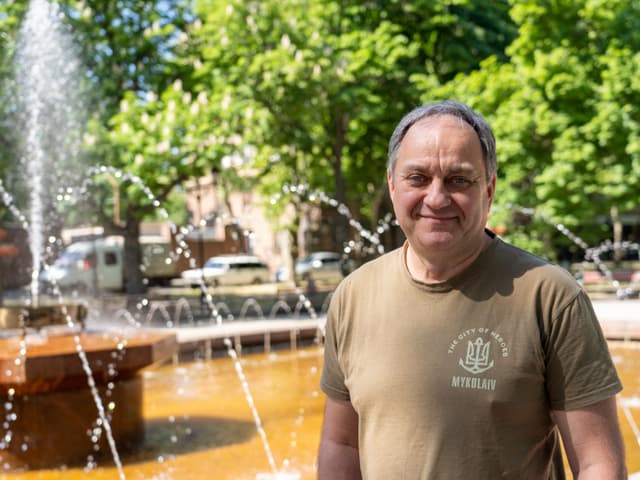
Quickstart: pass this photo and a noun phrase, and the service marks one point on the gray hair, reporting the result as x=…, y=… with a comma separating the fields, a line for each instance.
x=456, y=109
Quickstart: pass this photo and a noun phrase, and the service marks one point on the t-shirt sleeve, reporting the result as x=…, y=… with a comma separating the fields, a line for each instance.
x=579, y=368
x=332, y=380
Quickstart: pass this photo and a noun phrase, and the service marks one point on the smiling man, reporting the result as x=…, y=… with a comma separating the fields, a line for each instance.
x=441, y=192
x=458, y=355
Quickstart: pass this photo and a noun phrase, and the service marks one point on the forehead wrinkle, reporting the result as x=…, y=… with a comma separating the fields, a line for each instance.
x=422, y=166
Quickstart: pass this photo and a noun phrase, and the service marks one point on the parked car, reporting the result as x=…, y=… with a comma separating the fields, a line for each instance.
x=98, y=264
x=228, y=270
x=321, y=266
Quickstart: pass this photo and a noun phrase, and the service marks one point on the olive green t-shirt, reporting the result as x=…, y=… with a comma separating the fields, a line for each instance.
x=456, y=380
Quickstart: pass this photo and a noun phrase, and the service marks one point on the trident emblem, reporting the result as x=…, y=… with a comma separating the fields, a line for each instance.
x=477, y=360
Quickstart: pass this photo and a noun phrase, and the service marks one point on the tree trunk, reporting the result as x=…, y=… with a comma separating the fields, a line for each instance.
x=342, y=226
x=133, y=278
x=294, y=235
x=617, y=234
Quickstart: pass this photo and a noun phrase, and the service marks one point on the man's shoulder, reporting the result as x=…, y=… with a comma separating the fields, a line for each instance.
x=510, y=252
x=532, y=267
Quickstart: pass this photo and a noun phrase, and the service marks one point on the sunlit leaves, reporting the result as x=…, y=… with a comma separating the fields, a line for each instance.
x=565, y=111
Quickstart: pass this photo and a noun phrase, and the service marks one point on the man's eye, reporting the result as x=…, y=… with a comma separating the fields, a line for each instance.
x=417, y=179
x=459, y=183
x=458, y=180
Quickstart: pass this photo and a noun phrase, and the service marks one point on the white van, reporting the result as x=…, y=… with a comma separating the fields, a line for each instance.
x=228, y=270
x=98, y=264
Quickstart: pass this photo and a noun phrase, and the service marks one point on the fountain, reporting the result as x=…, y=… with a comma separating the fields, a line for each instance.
x=61, y=381
x=55, y=375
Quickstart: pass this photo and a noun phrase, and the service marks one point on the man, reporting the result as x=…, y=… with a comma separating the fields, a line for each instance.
x=458, y=355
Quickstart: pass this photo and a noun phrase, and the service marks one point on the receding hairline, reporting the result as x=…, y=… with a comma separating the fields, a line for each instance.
x=438, y=117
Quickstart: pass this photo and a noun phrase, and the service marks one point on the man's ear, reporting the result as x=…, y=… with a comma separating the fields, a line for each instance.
x=491, y=189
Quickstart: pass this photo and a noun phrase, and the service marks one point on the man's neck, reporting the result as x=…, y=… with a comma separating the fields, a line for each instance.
x=440, y=268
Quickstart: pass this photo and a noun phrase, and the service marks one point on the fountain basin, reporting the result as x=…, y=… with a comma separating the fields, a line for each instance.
x=54, y=410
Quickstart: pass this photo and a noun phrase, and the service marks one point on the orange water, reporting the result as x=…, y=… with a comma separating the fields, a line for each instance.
x=199, y=425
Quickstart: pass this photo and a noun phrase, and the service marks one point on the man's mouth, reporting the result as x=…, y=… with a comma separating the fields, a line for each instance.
x=435, y=218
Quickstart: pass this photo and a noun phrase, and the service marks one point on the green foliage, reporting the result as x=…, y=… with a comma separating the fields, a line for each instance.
x=564, y=113
x=270, y=92
x=129, y=50
x=128, y=45
x=11, y=11
x=282, y=92
x=317, y=86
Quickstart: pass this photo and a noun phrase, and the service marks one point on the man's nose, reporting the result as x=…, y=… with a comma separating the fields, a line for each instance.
x=437, y=194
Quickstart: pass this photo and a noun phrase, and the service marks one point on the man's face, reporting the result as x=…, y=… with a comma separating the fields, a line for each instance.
x=439, y=189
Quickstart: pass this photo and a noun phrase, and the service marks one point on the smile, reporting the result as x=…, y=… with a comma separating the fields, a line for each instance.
x=435, y=218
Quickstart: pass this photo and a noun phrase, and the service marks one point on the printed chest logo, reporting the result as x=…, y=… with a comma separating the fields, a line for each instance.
x=477, y=358
x=482, y=346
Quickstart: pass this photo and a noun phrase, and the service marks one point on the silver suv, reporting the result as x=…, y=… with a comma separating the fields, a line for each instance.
x=229, y=270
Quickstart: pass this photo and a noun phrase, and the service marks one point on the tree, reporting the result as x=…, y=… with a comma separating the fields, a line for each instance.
x=153, y=146
x=318, y=86
x=563, y=109
x=305, y=91
x=130, y=51
x=128, y=48
x=10, y=14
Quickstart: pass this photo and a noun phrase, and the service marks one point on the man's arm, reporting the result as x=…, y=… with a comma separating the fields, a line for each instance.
x=592, y=441
x=338, y=458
